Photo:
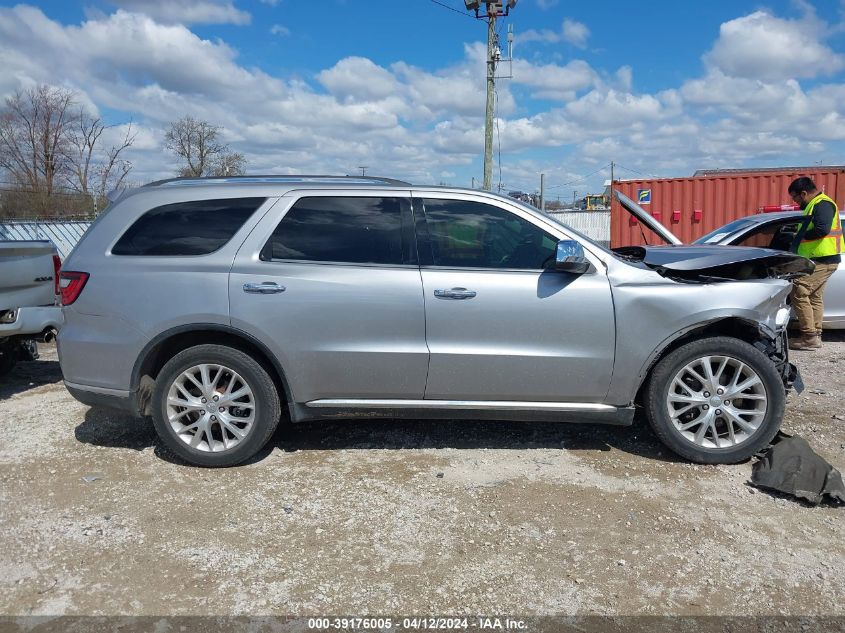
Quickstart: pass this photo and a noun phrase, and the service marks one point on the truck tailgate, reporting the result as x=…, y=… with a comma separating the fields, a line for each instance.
x=26, y=274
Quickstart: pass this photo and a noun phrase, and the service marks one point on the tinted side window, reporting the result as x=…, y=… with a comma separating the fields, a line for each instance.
x=476, y=235
x=187, y=228
x=352, y=230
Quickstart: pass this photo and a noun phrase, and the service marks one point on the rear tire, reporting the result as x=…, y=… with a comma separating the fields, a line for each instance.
x=215, y=406
x=721, y=415
x=7, y=363
x=8, y=356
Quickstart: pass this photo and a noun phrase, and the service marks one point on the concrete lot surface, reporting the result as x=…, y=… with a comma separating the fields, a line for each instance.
x=405, y=517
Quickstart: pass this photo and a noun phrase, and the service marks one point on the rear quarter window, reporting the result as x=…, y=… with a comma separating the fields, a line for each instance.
x=198, y=227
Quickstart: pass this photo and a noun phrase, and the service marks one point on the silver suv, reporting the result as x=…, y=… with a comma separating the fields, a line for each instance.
x=213, y=305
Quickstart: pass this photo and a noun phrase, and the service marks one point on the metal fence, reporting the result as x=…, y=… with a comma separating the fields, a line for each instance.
x=593, y=224
x=64, y=234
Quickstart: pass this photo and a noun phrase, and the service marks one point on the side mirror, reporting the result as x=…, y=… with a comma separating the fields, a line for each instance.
x=570, y=258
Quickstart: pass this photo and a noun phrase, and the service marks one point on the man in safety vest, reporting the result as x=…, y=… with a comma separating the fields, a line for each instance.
x=819, y=239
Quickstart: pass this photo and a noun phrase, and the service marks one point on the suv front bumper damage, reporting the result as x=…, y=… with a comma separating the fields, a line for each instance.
x=777, y=349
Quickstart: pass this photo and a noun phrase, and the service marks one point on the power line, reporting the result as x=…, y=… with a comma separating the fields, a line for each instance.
x=581, y=179
x=446, y=6
x=639, y=173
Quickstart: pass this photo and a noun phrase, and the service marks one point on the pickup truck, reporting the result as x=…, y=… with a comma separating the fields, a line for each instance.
x=29, y=306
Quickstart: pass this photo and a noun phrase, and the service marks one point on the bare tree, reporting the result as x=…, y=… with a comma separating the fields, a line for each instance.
x=113, y=170
x=33, y=136
x=92, y=171
x=229, y=164
x=50, y=149
x=82, y=138
x=197, y=143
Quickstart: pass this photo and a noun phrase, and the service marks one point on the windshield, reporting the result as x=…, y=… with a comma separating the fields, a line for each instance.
x=723, y=231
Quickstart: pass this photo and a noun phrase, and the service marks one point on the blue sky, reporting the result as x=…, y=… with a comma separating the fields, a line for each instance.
x=300, y=86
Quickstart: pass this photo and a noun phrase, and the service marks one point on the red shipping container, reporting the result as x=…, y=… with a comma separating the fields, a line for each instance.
x=712, y=199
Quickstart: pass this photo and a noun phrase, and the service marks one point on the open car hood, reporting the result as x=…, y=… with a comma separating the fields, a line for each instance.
x=718, y=263
x=645, y=217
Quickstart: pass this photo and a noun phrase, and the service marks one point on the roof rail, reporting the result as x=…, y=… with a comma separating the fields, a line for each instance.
x=271, y=178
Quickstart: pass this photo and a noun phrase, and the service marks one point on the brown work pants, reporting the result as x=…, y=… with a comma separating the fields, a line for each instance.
x=807, y=298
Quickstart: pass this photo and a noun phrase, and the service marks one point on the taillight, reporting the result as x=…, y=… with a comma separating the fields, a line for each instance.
x=71, y=284
x=57, y=268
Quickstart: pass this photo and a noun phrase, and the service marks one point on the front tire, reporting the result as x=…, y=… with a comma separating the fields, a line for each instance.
x=215, y=406
x=715, y=401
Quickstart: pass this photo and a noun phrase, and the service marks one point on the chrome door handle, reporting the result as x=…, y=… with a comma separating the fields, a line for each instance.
x=455, y=293
x=264, y=288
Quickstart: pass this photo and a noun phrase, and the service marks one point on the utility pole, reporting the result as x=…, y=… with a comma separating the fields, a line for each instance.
x=473, y=182
x=543, y=192
x=494, y=10
x=491, y=93
x=612, y=166
x=363, y=170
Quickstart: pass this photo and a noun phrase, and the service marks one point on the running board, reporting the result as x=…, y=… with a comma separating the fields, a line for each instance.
x=332, y=409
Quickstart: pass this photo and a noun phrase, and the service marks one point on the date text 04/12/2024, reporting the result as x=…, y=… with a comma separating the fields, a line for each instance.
x=481, y=623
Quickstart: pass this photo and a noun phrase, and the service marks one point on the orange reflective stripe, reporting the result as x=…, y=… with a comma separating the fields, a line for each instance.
x=836, y=233
x=833, y=232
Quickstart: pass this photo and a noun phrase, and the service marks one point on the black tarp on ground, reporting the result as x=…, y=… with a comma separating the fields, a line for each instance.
x=790, y=466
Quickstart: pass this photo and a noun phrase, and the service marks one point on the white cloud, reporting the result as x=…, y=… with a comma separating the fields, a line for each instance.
x=546, y=4
x=611, y=109
x=159, y=72
x=424, y=124
x=553, y=81
x=762, y=46
x=272, y=3
x=187, y=11
x=816, y=114
x=127, y=61
x=573, y=32
x=278, y=29
x=458, y=91
x=358, y=78
x=625, y=78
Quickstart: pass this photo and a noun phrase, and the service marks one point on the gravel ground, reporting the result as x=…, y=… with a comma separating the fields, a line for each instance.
x=96, y=518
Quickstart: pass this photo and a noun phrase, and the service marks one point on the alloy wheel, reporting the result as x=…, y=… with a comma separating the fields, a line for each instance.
x=211, y=407
x=717, y=402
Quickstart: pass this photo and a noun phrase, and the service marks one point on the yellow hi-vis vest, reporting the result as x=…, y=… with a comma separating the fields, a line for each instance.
x=832, y=243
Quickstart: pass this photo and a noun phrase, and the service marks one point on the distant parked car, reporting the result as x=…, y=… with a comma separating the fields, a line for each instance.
x=29, y=310
x=209, y=304
x=765, y=230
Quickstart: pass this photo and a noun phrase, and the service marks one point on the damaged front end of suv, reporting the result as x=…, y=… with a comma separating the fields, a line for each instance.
x=710, y=322
x=748, y=288
x=724, y=269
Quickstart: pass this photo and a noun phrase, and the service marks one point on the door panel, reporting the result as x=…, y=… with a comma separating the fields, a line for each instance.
x=498, y=326
x=340, y=329
x=524, y=336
